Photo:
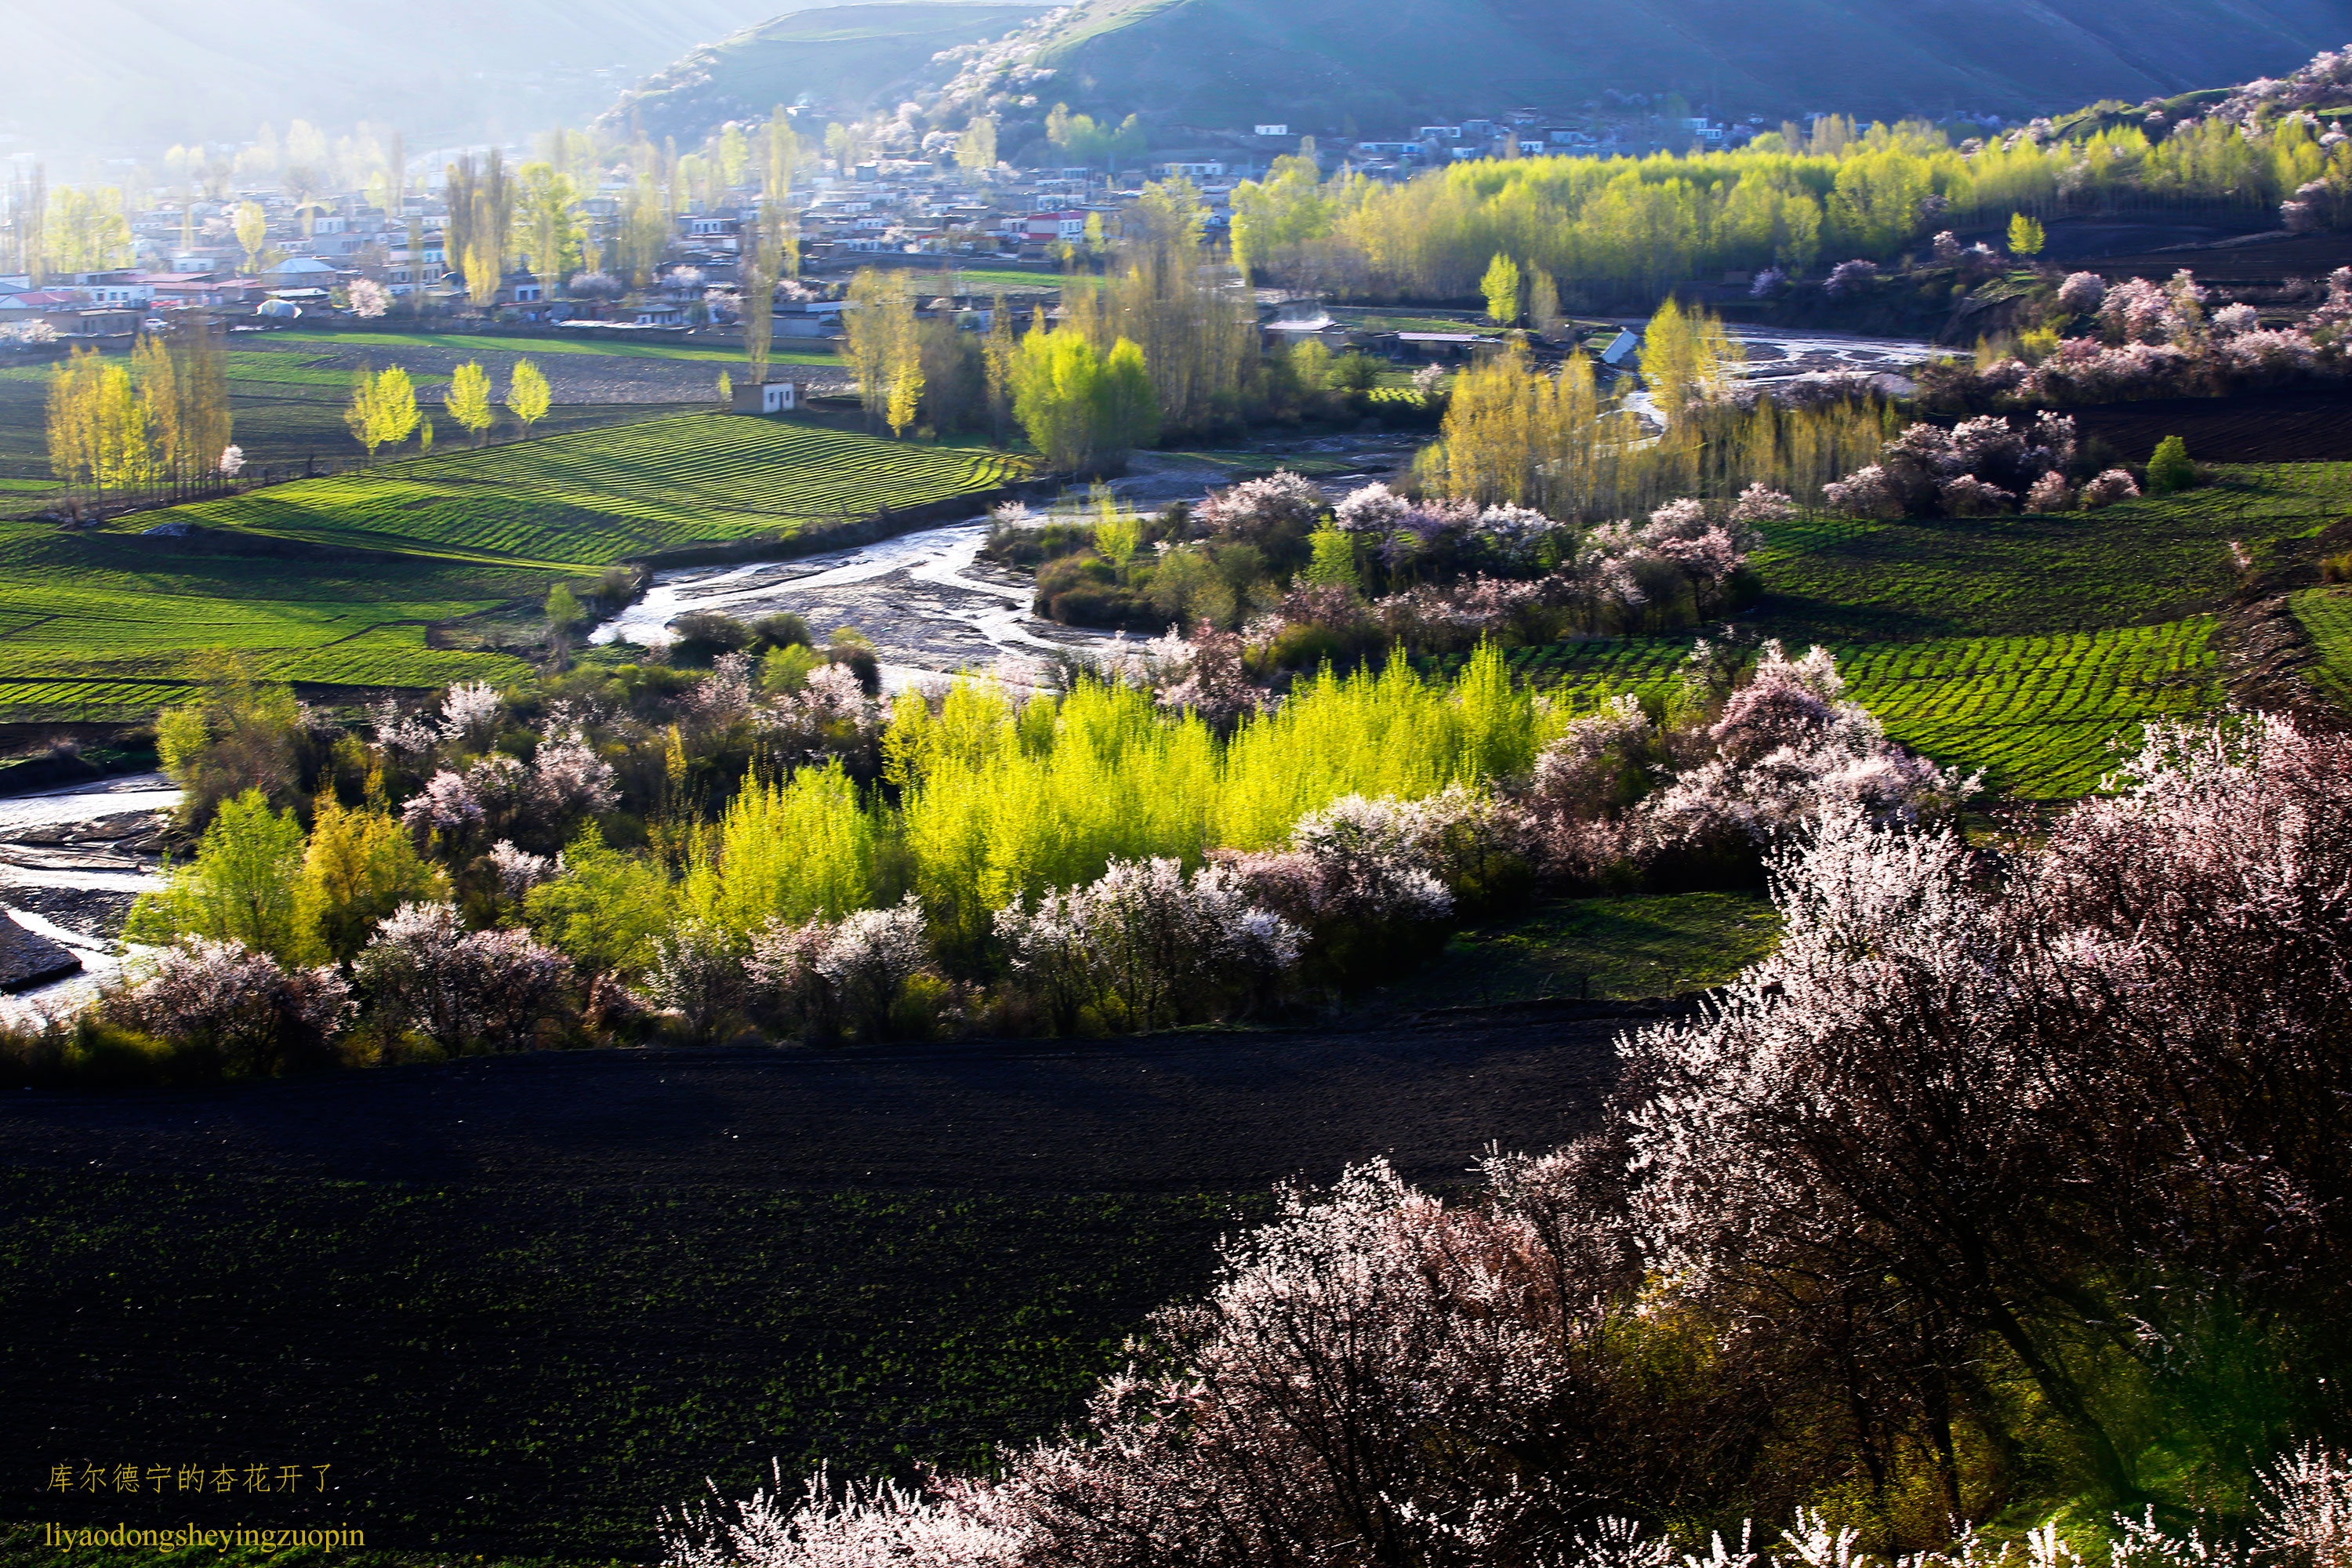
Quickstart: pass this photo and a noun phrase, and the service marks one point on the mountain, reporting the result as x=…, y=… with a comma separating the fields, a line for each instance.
x=1315, y=64
x=134, y=74
x=1330, y=65
x=847, y=57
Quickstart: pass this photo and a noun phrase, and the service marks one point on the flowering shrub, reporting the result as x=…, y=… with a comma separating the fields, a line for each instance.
x=849, y=972
x=1979, y=465
x=2082, y=292
x=1615, y=796
x=2050, y=493
x=470, y=712
x=2109, y=487
x=424, y=971
x=1851, y=277
x=2159, y=342
x=246, y=1013
x=1145, y=944
x=696, y=975
x=519, y=870
x=1208, y=675
x=1258, y=509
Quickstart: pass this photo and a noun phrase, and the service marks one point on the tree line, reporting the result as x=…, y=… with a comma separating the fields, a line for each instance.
x=1621, y=228
x=156, y=426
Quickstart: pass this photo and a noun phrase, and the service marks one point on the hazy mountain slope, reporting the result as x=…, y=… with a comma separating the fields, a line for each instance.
x=1318, y=62
x=842, y=55
x=131, y=73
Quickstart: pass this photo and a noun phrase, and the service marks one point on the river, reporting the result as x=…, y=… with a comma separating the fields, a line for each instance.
x=926, y=599
x=71, y=861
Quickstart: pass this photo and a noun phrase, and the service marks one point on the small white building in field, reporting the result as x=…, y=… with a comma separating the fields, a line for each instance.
x=766, y=397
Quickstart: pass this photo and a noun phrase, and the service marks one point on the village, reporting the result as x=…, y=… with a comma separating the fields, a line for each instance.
x=251, y=251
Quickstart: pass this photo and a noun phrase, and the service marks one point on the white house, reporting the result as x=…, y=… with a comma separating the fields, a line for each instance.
x=766, y=397
x=1274, y=130
x=1067, y=224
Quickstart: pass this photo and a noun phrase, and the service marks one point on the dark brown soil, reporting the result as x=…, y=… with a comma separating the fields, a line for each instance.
x=1173, y=1112
x=523, y=1304
x=2262, y=263
x=2306, y=426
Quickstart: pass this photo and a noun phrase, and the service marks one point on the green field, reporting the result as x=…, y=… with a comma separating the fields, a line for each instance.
x=592, y=497
x=2327, y=617
x=102, y=627
x=2039, y=716
x=2028, y=649
x=713, y=354
x=1603, y=949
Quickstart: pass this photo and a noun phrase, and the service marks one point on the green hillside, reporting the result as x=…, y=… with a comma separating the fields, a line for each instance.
x=1325, y=66
x=842, y=55
x=1317, y=64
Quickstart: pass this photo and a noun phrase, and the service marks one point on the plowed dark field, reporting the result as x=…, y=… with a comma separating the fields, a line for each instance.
x=2262, y=427
x=521, y=1304
x=2270, y=261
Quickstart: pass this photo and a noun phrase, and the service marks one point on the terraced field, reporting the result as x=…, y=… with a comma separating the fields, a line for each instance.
x=2027, y=648
x=594, y=497
x=102, y=627
x=2040, y=716
x=2160, y=559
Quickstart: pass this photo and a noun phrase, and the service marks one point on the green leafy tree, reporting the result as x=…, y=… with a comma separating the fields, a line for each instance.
x=382, y=411
x=241, y=887
x=360, y=866
x=1083, y=410
x=605, y=911
x=2025, y=236
x=527, y=394
x=469, y=399
x=1334, y=563
x=2168, y=467
x=1501, y=288
x=252, y=232
x=976, y=148
x=564, y=611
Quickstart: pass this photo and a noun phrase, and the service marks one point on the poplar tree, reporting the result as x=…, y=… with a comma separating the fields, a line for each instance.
x=976, y=148
x=527, y=394
x=1501, y=288
x=1083, y=410
x=883, y=347
x=469, y=399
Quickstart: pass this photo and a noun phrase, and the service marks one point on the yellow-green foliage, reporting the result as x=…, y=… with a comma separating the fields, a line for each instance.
x=999, y=802
x=795, y=849
x=1649, y=222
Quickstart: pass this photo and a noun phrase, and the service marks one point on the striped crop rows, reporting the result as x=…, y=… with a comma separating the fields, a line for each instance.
x=2040, y=716
x=597, y=496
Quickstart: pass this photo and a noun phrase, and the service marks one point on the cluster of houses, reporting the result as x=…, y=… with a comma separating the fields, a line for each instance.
x=891, y=212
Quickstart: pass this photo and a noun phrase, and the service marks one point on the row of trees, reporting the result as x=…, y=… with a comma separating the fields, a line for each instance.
x=1516, y=431
x=1631, y=227
x=384, y=411
x=1166, y=343
x=156, y=426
